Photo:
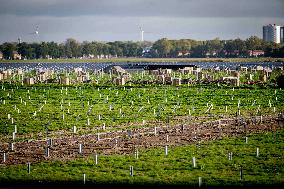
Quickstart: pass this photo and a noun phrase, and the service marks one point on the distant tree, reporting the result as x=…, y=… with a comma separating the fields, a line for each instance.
x=240, y=46
x=229, y=48
x=144, y=44
x=99, y=47
x=72, y=48
x=24, y=50
x=200, y=50
x=160, y=48
x=43, y=50
x=214, y=46
x=272, y=49
x=94, y=48
x=115, y=48
x=134, y=49
x=53, y=49
x=105, y=48
x=8, y=49
x=163, y=47
x=61, y=50
x=37, y=52
x=86, y=48
x=182, y=45
x=253, y=43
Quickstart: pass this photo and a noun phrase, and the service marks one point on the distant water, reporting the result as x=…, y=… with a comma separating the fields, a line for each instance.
x=100, y=66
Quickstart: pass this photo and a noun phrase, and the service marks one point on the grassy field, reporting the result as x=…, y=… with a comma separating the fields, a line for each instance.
x=126, y=60
x=34, y=107
x=154, y=167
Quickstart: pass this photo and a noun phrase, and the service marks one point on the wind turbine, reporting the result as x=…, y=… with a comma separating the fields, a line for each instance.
x=142, y=33
x=19, y=40
x=35, y=32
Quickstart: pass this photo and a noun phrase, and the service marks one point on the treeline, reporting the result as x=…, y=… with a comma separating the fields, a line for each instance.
x=72, y=49
x=216, y=48
x=162, y=48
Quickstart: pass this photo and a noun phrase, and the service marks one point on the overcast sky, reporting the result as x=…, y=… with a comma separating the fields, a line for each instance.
x=119, y=20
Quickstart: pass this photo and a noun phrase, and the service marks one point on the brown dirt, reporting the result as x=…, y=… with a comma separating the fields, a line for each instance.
x=125, y=142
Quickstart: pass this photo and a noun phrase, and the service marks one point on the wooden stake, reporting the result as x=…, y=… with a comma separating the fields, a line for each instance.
x=193, y=162
x=230, y=156
x=136, y=153
x=80, y=148
x=241, y=173
x=12, y=146
x=166, y=150
x=96, y=159
x=84, y=178
x=47, y=151
x=49, y=142
x=4, y=157
x=131, y=171
x=74, y=129
x=29, y=168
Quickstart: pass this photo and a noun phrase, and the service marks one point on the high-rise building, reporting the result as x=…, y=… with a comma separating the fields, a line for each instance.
x=271, y=33
x=282, y=34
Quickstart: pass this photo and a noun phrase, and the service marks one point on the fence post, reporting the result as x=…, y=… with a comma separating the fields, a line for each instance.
x=4, y=157
x=96, y=159
x=199, y=181
x=29, y=168
x=131, y=171
x=84, y=178
x=166, y=150
x=193, y=162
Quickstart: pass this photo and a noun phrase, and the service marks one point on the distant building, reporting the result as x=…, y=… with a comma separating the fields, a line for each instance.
x=16, y=55
x=183, y=53
x=282, y=34
x=255, y=53
x=271, y=33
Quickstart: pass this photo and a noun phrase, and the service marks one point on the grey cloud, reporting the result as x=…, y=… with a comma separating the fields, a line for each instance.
x=105, y=28
x=110, y=20
x=170, y=8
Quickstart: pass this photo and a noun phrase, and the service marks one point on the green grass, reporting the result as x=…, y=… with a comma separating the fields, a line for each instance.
x=153, y=167
x=167, y=101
